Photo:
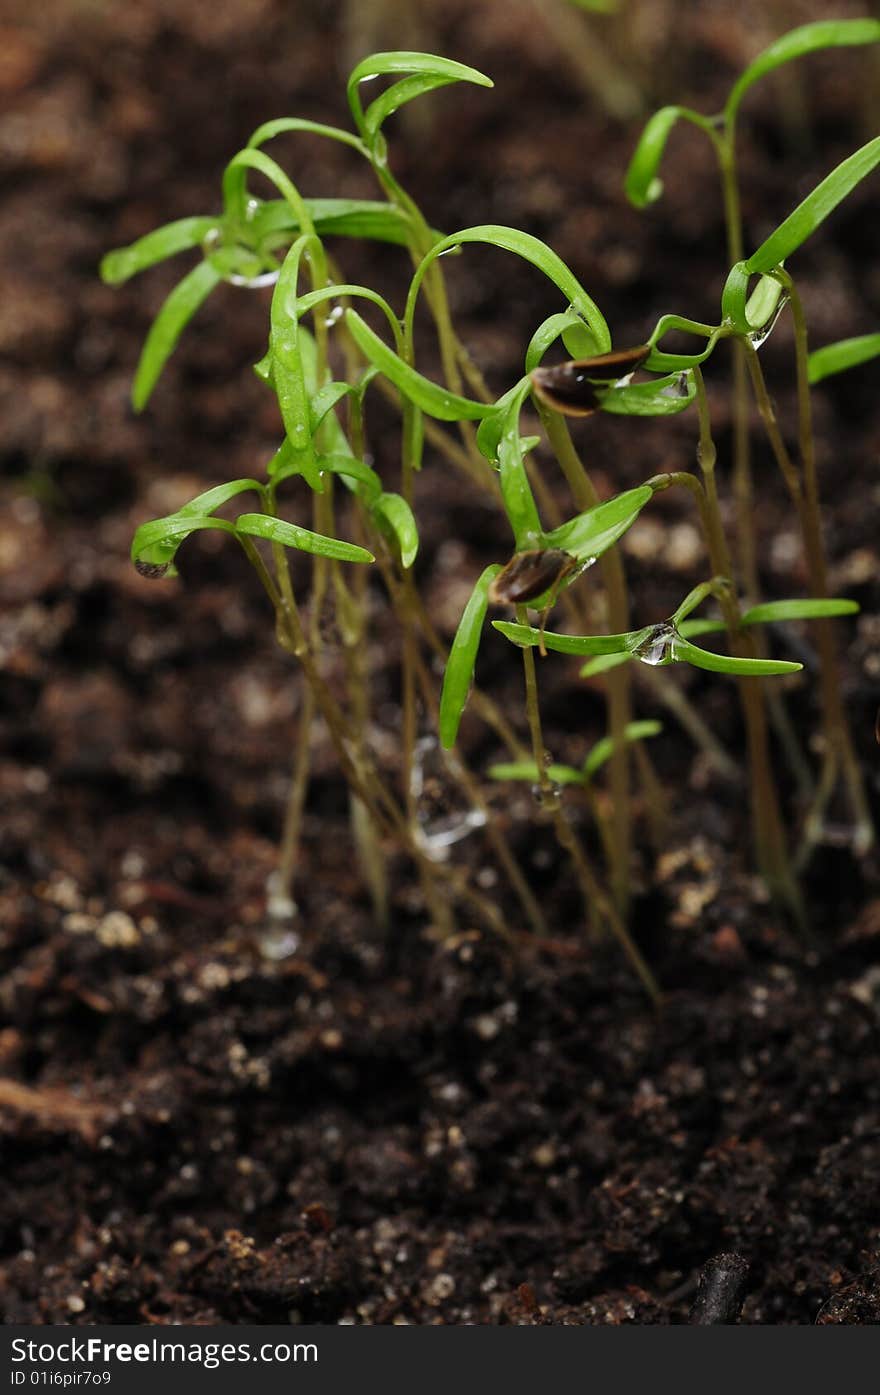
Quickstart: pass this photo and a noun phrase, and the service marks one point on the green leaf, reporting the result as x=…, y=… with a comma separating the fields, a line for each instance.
x=590, y=534
x=154, y=545
x=808, y=38
x=530, y=249
x=807, y=609
x=659, y=361
x=396, y=514
x=361, y=218
x=282, y=125
x=459, y=675
x=436, y=401
x=569, y=326
x=846, y=353
x=604, y=749
x=440, y=71
x=685, y=652
x=603, y=662
x=642, y=185
x=263, y=525
x=123, y=262
x=289, y=374
x=166, y=329
x=663, y=397
x=516, y=491
x=234, y=186
x=815, y=208
x=528, y=638
x=528, y=770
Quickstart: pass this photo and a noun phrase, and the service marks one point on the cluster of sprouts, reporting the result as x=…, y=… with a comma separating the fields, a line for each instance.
x=323, y=360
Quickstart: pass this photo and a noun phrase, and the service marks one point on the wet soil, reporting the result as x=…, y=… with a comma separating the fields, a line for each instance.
x=204, y=1120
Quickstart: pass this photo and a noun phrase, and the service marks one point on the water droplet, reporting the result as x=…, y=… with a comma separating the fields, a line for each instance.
x=251, y=209
x=658, y=647
x=334, y=316
x=443, y=820
x=760, y=336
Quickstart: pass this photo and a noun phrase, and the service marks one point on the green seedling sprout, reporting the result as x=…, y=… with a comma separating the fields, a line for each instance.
x=644, y=187
x=323, y=362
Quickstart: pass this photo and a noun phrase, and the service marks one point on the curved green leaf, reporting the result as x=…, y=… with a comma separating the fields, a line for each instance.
x=436, y=401
x=516, y=491
x=685, y=652
x=123, y=262
x=282, y=125
x=815, y=208
x=362, y=218
x=154, y=545
x=526, y=637
x=808, y=38
x=404, y=62
x=166, y=329
x=263, y=525
x=846, y=353
x=807, y=609
x=591, y=533
x=459, y=673
x=604, y=749
x=289, y=375
x=396, y=514
x=663, y=397
x=642, y=185
x=530, y=249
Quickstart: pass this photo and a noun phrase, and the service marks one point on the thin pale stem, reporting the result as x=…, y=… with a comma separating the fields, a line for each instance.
x=596, y=903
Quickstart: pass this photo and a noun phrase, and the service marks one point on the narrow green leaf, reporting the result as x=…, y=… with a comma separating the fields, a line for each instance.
x=166, y=329
x=806, y=609
x=604, y=749
x=530, y=249
x=578, y=338
x=660, y=361
x=808, y=38
x=603, y=662
x=289, y=374
x=685, y=652
x=642, y=185
x=154, y=545
x=262, y=525
x=815, y=208
x=436, y=401
x=387, y=64
x=282, y=125
x=846, y=353
x=396, y=514
x=459, y=675
x=590, y=534
x=663, y=397
x=361, y=218
x=123, y=262
x=516, y=491
x=528, y=638
x=527, y=770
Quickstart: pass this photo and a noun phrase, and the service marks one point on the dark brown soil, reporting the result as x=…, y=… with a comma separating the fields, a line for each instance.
x=195, y=1127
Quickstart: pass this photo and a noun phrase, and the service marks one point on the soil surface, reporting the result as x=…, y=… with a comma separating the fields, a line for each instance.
x=206, y=1118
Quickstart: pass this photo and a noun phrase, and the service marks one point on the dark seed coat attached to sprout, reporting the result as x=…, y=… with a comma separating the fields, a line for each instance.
x=530, y=574
x=152, y=570
x=573, y=388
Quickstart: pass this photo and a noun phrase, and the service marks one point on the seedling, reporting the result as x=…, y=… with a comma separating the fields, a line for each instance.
x=324, y=358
